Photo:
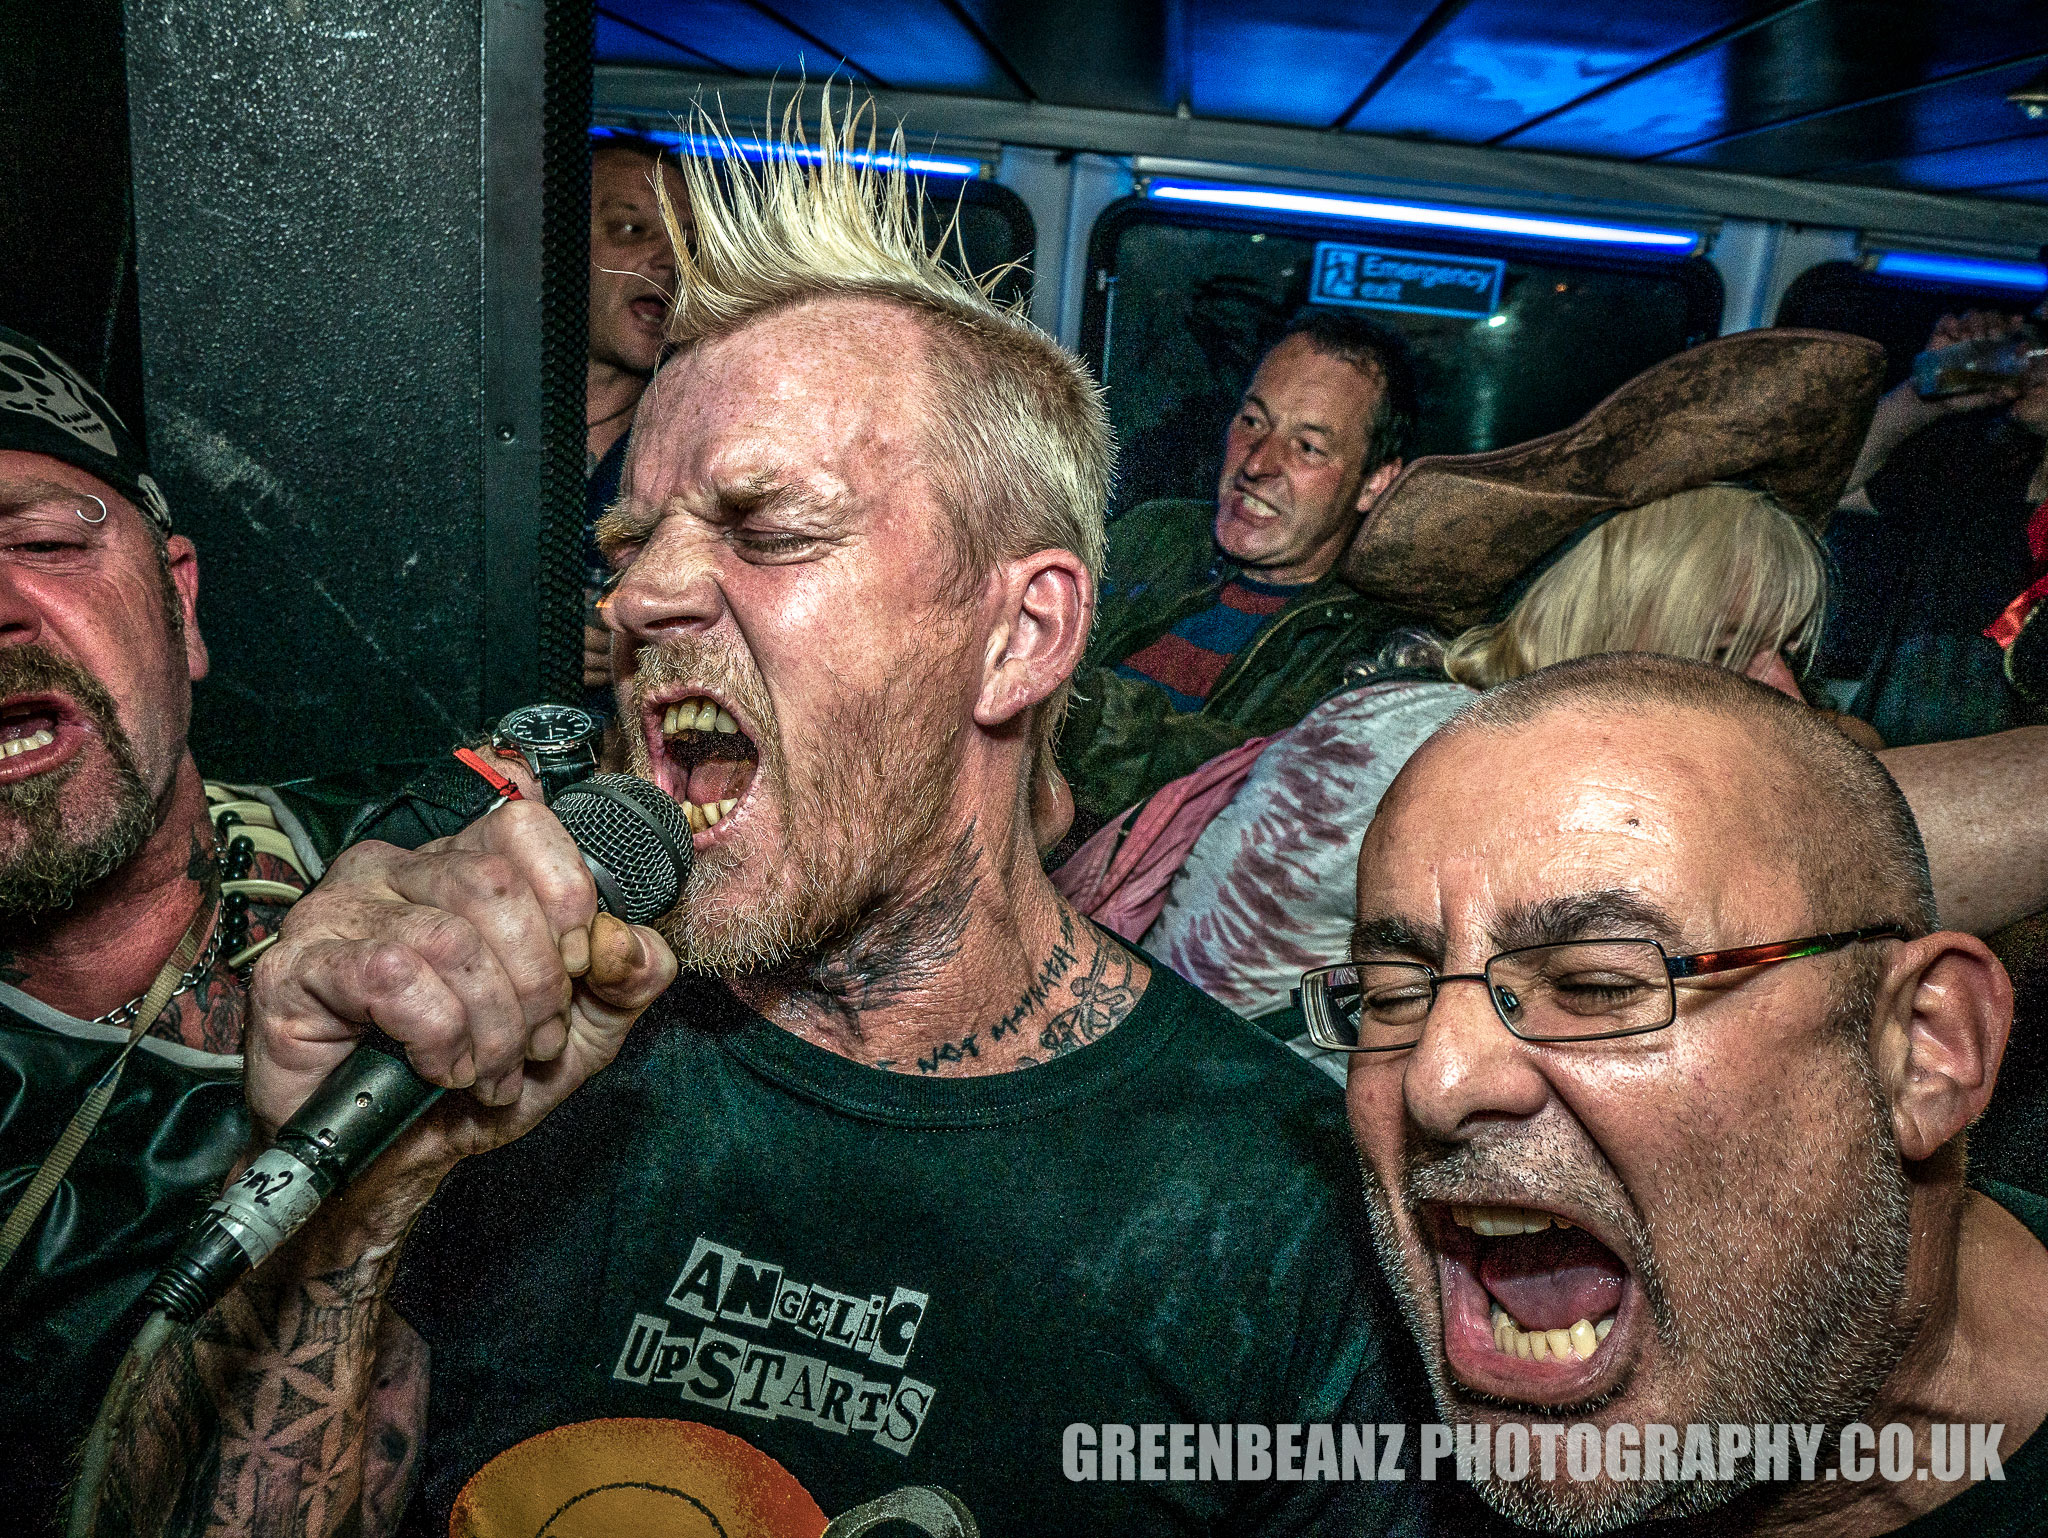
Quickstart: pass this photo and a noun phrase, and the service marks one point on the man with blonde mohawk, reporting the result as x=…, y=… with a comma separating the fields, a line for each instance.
x=917, y=1199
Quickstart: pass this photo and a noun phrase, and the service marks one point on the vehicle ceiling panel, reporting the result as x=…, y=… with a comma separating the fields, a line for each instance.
x=735, y=36
x=1957, y=117
x=1299, y=62
x=1078, y=53
x=1498, y=63
x=1988, y=163
x=1893, y=93
x=926, y=43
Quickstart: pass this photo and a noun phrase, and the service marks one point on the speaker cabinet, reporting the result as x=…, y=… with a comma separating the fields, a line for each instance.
x=362, y=254
x=67, y=257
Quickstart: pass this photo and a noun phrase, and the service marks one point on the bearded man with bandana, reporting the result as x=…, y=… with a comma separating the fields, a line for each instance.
x=134, y=897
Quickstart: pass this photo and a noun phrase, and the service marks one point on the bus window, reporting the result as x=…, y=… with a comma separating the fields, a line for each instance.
x=995, y=231
x=1869, y=555
x=1182, y=308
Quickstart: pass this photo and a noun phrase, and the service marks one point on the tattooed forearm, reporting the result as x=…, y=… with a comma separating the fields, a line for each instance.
x=253, y=1422
x=398, y=1415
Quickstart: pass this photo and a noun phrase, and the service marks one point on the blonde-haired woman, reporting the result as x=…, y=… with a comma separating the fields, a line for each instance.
x=1680, y=517
x=1720, y=574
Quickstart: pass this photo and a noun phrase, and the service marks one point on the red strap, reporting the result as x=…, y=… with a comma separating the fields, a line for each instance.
x=499, y=783
x=2006, y=628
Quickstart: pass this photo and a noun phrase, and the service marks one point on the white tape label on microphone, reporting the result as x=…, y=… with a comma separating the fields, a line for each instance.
x=265, y=1207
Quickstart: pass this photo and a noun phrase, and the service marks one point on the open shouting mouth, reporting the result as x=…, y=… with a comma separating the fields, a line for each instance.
x=703, y=757
x=37, y=733
x=1536, y=1307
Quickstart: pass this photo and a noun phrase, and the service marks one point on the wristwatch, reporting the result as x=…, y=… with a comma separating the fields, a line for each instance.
x=558, y=742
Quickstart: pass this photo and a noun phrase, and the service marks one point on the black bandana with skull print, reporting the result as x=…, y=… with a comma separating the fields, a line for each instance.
x=46, y=408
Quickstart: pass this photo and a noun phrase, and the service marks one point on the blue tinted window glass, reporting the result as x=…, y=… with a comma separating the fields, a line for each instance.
x=1193, y=307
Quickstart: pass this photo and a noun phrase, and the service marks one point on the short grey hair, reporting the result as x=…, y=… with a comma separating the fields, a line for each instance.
x=1859, y=853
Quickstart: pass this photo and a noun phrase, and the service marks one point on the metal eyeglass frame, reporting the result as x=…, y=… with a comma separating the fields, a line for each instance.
x=1675, y=967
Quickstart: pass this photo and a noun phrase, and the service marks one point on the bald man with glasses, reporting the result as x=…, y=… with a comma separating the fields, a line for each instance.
x=1691, y=1153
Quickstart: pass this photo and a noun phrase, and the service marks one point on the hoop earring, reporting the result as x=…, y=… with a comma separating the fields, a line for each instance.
x=96, y=502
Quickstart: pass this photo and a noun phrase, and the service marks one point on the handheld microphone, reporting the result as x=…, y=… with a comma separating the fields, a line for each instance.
x=635, y=841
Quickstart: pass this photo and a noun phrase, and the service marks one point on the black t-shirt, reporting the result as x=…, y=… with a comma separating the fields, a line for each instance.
x=70, y=1298
x=734, y=1247
x=2016, y=1506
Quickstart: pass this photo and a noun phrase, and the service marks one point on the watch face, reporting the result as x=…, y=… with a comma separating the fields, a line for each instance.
x=545, y=727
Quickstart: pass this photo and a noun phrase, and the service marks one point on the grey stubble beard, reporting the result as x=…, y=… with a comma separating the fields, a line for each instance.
x=1813, y=1342
x=55, y=863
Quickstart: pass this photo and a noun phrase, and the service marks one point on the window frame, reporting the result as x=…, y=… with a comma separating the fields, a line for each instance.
x=1704, y=292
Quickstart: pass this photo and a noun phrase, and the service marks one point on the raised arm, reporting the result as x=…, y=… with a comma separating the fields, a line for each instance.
x=294, y=1407
x=1902, y=413
x=326, y=1442
x=1982, y=806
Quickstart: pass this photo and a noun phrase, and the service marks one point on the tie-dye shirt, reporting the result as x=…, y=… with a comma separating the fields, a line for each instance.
x=1269, y=889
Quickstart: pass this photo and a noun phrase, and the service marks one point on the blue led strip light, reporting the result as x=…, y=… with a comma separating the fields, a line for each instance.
x=1961, y=271
x=760, y=149
x=1324, y=205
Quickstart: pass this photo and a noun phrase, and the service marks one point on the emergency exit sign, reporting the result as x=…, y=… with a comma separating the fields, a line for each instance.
x=1420, y=282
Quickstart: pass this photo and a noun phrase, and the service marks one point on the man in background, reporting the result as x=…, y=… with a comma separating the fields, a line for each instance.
x=1957, y=486
x=1221, y=623
x=632, y=276
x=133, y=899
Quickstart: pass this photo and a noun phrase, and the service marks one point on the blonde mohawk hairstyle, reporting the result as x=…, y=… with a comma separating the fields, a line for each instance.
x=1020, y=447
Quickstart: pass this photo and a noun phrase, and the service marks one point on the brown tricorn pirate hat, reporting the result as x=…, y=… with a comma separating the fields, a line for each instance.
x=1783, y=411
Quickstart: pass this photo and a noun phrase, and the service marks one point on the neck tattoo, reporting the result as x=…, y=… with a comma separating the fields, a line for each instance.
x=1063, y=1008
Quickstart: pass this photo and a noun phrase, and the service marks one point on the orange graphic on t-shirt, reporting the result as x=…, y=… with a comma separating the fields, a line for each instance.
x=634, y=1478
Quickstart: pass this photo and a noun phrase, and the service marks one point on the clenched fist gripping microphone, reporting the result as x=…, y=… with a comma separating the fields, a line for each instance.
x=636, y=842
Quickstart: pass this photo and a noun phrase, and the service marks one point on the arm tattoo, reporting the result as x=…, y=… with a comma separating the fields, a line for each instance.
x=253, y=1423
x=398, y=1416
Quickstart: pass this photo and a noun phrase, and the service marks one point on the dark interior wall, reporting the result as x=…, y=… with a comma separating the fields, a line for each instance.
x=312, y=363
x=67, y=271
x=339, y=210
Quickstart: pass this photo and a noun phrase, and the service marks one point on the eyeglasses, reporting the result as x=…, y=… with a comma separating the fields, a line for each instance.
x=1581, y=990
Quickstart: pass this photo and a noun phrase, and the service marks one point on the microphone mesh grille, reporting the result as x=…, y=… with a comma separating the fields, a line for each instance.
x=634, y=830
